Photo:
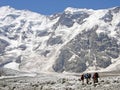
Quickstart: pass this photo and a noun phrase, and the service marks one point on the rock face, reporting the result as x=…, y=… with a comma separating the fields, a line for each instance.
x=74, y=40
x=3, y=45
x=87, y=47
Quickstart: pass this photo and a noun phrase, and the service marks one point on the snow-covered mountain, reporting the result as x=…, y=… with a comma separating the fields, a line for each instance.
x=74, y=40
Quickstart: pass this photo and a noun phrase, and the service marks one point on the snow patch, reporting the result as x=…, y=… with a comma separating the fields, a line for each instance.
x=12, y=65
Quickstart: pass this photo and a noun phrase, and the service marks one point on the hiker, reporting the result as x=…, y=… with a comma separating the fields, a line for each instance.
x=95, y=77
x=87, y=77
x=82, y=78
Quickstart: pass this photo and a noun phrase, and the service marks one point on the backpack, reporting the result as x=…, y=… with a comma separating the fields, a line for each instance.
x=82, y=77
x=86, y=75
x=95, y=75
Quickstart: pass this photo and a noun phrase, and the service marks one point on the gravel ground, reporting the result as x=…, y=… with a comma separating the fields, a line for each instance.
x=58, y=82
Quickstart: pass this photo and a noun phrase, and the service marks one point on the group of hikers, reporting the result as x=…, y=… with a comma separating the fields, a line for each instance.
x=88, y=77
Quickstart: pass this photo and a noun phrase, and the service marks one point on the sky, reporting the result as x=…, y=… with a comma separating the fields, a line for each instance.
x=48, y=7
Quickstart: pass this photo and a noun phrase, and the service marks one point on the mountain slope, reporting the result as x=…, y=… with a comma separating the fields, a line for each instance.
x=74, y=40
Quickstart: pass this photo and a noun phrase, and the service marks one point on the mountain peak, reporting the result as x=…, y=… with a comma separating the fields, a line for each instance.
x=6, y=7
x=76, y=10
x=70, y=9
